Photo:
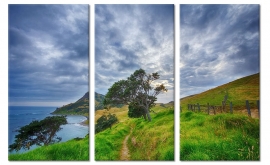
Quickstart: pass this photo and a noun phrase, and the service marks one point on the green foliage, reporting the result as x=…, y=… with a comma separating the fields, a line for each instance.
x=136, y=89
x=72, y=150
x=218, y=137
x=99, y=98
x=135, y=111
x=41, y=132
x=104, y=122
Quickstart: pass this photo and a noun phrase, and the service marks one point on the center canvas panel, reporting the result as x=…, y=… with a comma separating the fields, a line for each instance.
x=134, y=82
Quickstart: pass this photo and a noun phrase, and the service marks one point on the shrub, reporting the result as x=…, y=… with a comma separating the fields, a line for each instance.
x=104, y=122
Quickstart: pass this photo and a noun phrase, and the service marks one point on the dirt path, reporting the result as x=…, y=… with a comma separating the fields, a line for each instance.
x=124, y=155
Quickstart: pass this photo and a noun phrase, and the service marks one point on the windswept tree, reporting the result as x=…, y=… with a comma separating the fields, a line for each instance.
x=39, y=133
x=138, y=91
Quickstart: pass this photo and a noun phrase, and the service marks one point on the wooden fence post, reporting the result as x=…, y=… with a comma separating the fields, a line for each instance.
x=199, y=110
x=194, y=107
x=231, y=110
x=258, y=105
x=208, y=107
x=214, y=110
x=222, y=106
x=248, y=108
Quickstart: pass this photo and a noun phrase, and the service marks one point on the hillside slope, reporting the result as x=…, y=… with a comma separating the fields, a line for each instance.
x=238, y=91
x=145, y=140
x=98, y=101
x=219, y=137
x=74, y=149
x=80, y=107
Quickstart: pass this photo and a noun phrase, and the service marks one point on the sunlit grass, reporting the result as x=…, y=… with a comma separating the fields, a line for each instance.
x=70, y=150
x=153, y=140
x=148, y=140
x=238, y=91
x=218, y=137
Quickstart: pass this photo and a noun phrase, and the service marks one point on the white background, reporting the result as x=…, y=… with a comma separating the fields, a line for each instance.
x=265, y=75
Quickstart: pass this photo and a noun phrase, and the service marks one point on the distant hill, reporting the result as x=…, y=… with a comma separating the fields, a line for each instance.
x=80, y=107
x=98, y=101
x=238, y=91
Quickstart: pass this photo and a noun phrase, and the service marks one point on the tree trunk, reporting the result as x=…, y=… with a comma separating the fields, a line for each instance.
x=144, y=116
x=148, y=116
x=148, y=113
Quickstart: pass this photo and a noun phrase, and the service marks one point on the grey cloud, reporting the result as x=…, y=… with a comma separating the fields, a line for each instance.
x=48, y=57
x=218, y=42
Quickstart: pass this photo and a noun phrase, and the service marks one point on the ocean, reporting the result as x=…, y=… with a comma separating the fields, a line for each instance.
x=19, y=116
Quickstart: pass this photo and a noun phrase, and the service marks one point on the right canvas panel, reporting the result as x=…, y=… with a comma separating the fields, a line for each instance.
x=219, y=82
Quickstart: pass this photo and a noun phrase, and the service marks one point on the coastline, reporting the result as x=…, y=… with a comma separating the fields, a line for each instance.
x=85, y=122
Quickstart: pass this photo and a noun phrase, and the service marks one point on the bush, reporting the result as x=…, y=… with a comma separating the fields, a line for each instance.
x=105, y=122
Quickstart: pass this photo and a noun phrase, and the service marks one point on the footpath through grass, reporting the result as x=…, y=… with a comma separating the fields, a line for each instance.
x=153, y=140
x=75, y=149
x=108, y=143
x=218, y=137
x=148, y=140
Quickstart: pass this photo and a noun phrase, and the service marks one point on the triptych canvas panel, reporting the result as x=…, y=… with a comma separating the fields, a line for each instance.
x=134, y=86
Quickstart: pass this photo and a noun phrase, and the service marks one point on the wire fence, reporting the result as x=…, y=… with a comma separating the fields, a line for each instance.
x=226, y=108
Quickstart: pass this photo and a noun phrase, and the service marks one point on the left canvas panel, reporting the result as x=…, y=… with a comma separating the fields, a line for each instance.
x=48, y=84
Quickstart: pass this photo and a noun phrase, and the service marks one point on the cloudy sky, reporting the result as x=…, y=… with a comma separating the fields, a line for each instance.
x=130, y=37
x=48, y=54
x=218, y=44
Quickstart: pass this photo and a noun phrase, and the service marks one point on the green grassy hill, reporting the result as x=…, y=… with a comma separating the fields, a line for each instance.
x=219, y=137
x=147, y=140
x=75, y=149
x=98, y=101
x=238, y=91
x=223, y=136
x=80, y=107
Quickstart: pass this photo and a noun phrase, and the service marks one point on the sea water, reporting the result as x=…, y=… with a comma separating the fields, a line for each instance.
x=19, y=116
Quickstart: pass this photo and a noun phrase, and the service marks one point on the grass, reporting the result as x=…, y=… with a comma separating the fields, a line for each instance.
x=108, y=143
x=72, y=150
x=153, y=140
x=223, y=136
x=218, y=137
x=148, y=140
x=246, y=88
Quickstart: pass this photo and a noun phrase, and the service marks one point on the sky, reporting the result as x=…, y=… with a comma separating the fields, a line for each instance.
x=218, y=44
x=130, y=37
x=48, y=52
